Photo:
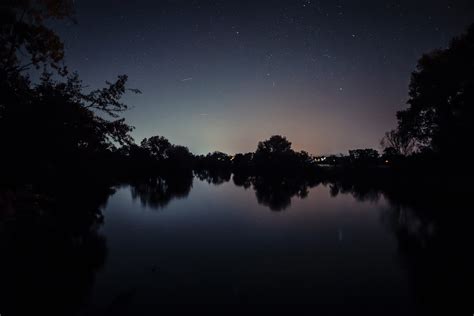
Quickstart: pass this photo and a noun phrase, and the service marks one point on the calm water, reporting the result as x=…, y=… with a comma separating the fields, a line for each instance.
x=218, y=245
x=236, y=245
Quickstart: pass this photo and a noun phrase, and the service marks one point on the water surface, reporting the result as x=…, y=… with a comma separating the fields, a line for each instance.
x=247, y=245
x=219, y=245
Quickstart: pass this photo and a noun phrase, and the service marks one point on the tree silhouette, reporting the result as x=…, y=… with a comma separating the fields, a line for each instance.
x=363, y=157
x=440, y=113
x=23, y=30
x=275, y=145
x=180, y=158
x=217, y=161
x=274, y=155
x=243, y=163
x=157, y=146
x=55, y=124
x=51, y=123
x=397, y=143
x=162, y=156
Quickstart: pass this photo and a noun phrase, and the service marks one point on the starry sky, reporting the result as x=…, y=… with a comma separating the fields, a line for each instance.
x=223, y=74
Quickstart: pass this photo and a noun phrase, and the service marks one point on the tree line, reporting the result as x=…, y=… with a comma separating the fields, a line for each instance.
x=56, y=126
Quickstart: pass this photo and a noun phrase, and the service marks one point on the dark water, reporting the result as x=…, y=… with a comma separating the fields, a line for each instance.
x=200, y=245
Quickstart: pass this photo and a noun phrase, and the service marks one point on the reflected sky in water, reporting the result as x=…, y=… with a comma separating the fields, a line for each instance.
x=219, y=245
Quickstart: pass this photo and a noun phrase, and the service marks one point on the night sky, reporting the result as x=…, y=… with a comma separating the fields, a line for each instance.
x=222, y=75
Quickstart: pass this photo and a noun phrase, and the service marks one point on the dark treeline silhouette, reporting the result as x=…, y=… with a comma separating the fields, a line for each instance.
x=63, y=146
x=275, y=171
x=273, y=156
x=155, y=156
x=54, y=126
x=53, y=129
x=57, y=139
x=439, y=118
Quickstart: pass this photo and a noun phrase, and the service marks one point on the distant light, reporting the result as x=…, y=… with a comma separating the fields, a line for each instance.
x=386, y=161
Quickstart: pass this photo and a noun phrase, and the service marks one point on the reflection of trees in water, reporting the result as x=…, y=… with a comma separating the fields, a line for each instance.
x=435, y=246
x=273, y=192
x=51, y=250
x=361, y=193
x=157, y=192
x=433, y=242
x=432, y=227
x=213, y=176
x=276, y=192
x=431, y=224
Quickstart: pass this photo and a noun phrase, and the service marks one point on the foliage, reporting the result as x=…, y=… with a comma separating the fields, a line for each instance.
x=366, y=156
x=23, y=32
x=275, y=145
x=440, y=113
x=398, y=143
x=51, y=123
x=157, y=147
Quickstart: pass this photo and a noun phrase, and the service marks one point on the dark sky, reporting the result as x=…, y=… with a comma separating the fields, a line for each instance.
x=222, y=75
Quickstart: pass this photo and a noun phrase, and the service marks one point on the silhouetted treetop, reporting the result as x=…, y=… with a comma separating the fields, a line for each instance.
x=398, y=143
x=23, y=30
x=366, y=156
x=440, y=113
x=274, y=145
x=157, y=146
x=51, y=122
x=276, y=156
x=157, y=156
x=108, y=99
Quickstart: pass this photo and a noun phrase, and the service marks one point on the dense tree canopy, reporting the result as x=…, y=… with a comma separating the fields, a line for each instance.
x=157, y=146
x=276, y=156
x=54, y=120
x=366, y=156
x=25, y=39
x=440, y=113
